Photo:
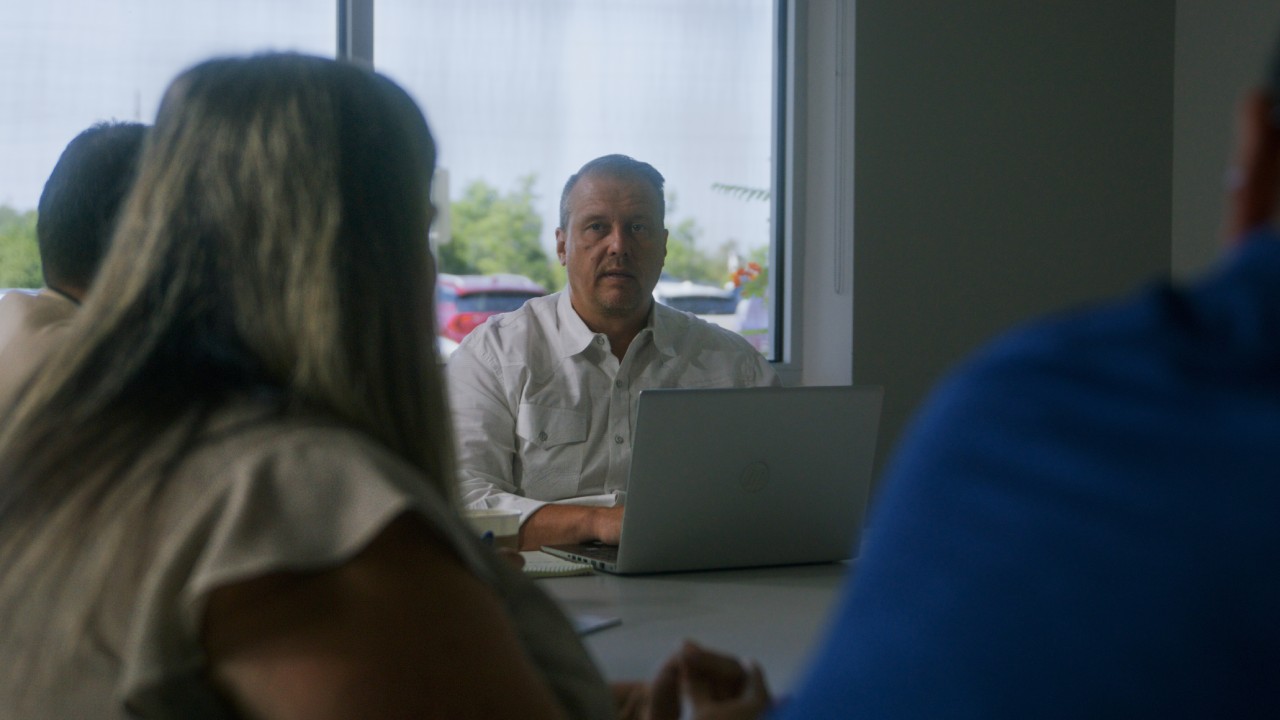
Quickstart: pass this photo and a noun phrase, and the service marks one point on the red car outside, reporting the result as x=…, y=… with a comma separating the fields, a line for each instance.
x=465, y=301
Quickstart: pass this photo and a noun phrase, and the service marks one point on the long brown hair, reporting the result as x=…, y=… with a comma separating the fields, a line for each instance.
x=274, y=245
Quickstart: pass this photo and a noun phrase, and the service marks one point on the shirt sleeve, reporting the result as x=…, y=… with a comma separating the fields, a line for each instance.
x=484, y=424
x=751, y=368
x=765, y=375
x=311, y=501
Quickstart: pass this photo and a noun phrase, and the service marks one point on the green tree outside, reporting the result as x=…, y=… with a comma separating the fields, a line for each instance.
x=19, y=252
x=686, y=261
x=752, y=278
x=494, y=232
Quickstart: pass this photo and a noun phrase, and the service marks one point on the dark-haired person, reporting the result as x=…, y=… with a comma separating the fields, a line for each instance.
x=544, y=398
x=230, y=492
x=75, y=218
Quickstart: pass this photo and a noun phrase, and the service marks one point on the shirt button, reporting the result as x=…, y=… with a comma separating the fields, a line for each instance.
x=542, y=436
x=617, y=384
x=617, y=439
x=599, y=341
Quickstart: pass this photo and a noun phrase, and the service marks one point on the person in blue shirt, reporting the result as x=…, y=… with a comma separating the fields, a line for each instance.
x=1082, y=520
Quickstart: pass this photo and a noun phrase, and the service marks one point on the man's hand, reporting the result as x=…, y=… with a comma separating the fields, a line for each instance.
x=568, y=524
x=512, y=557
x=631, y=700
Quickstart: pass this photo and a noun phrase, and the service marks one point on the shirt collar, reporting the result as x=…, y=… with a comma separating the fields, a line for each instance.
x=668, y=326
x=575, y=336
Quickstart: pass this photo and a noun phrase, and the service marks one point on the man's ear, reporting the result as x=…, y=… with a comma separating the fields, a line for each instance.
x=665, y=234
x=1255, y=180
x=560, y=238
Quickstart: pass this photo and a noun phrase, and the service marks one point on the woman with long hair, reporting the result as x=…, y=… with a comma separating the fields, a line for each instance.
x=228, y=493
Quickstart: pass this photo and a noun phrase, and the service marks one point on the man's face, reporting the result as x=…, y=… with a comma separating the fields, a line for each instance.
x=613, y=246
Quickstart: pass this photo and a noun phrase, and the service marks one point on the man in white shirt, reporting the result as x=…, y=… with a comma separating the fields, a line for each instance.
x=75, y=218
x=544, y=398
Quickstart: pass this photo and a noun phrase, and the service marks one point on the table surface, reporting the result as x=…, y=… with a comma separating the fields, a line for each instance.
x=772, y=615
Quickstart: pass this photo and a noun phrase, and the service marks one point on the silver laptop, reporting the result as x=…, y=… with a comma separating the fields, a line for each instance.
x=743, y=477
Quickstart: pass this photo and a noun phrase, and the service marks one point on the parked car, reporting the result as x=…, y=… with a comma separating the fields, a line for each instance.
x=465, y=301
x=753, y=323
x=713, y=304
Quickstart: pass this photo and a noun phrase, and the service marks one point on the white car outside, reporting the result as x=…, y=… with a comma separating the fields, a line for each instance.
x=713, y=304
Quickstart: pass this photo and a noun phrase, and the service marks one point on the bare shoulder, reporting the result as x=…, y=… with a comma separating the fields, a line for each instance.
x=402, y=629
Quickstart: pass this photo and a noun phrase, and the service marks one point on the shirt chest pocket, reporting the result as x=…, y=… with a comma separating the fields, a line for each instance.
x=552, y=447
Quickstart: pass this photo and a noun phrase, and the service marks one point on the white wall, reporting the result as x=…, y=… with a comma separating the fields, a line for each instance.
x=1011, y=158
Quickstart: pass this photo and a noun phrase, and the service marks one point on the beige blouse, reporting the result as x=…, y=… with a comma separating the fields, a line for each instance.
x=258, y=495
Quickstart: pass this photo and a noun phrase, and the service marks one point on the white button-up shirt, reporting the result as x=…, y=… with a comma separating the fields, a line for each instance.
x=544, y=412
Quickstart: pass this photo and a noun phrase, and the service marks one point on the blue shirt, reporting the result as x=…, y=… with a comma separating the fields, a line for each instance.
x=1082, y=522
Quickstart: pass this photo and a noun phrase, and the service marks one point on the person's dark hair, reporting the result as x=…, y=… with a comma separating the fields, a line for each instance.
x=81, y=200
x=617, y=166
x=274, y=248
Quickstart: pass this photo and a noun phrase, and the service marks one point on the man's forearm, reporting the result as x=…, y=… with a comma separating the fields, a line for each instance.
x=564, y=524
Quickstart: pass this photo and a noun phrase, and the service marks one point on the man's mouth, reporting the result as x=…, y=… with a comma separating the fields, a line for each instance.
x=616, y=273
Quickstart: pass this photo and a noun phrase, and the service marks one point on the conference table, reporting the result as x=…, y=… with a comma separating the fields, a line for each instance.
x=775, y=616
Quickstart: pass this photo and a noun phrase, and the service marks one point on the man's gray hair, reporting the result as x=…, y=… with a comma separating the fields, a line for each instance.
x=618, y=166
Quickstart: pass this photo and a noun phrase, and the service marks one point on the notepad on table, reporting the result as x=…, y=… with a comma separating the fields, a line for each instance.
x=540, y=564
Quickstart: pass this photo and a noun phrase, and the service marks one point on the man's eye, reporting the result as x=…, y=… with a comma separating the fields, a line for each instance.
x=596, y=227
x=638, y=227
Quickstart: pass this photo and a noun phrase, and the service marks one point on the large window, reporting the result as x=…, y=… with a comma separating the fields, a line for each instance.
x=520, y=94
x=66, y=64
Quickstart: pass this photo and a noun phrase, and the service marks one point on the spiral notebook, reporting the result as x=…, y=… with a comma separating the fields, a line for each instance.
x=539, y=564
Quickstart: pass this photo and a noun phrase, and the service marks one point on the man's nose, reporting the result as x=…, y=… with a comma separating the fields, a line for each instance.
x=619, y=241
